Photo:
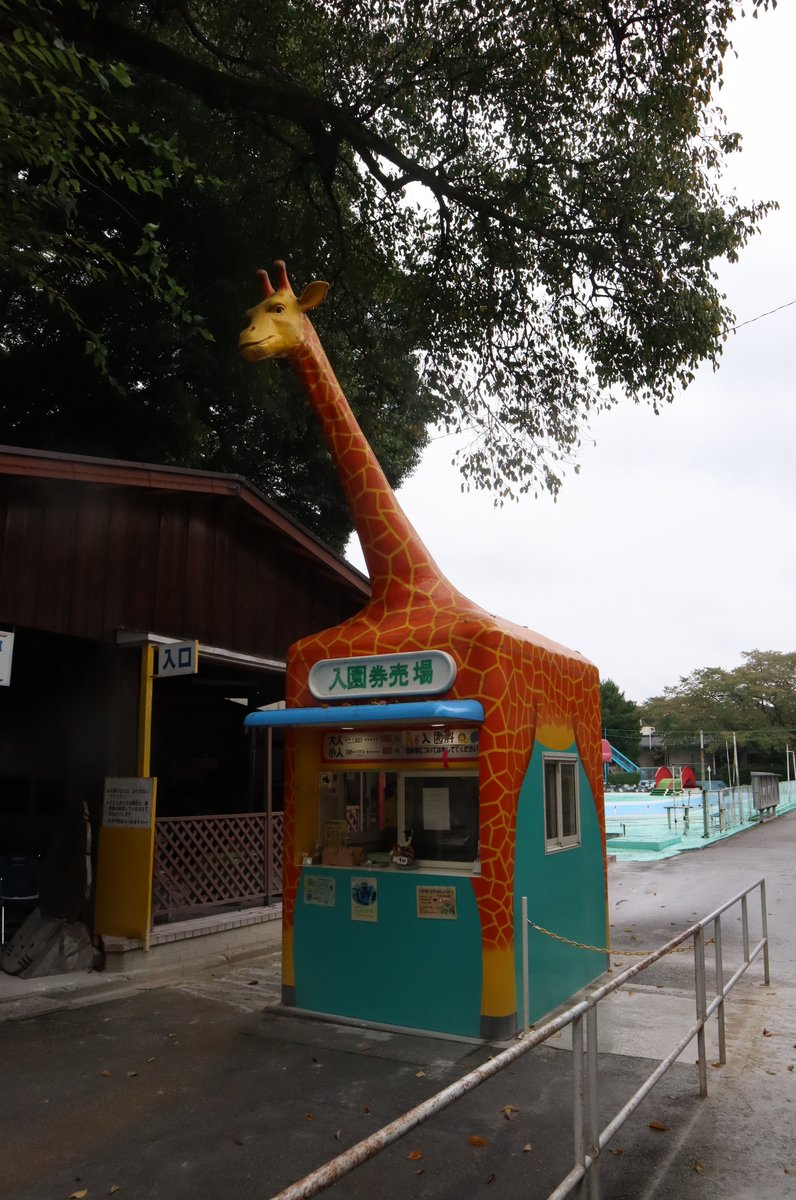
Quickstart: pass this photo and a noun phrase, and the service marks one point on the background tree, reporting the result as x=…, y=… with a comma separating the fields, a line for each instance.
x=519, y=207
x=755, y=701
x=620, y=719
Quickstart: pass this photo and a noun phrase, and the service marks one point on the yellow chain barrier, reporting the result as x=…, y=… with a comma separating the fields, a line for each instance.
x=559, y=937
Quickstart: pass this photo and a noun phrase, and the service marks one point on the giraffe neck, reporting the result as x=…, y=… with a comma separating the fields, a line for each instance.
x=393, y=550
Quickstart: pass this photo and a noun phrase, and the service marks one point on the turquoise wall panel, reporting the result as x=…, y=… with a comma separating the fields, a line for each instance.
x=401, y=969
x=566, y=894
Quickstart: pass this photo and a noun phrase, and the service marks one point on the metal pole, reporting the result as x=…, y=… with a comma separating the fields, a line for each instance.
x=578, y=1099
x=593, y=1122
x=269, y=817
x=705, y=819
x=720, y=990
x=526, y=981
x=701, y=1008
x=764, y=929
x=745, y=926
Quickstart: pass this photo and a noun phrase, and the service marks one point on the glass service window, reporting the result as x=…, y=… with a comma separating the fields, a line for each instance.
x=370, y=808
x=442, y=812
x=561, y=807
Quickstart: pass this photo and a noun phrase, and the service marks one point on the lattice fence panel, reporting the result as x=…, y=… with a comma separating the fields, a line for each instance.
x=277, y=849
x=202, y=862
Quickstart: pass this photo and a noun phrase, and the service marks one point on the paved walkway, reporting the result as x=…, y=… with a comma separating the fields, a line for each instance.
x=205, y=1089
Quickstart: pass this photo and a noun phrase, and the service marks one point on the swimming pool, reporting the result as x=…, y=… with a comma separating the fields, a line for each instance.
x=620, y=806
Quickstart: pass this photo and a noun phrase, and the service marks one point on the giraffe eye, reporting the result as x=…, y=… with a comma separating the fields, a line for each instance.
x=278, y=308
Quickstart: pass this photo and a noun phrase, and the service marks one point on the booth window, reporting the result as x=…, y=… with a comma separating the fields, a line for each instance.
x=442, y=813
x=561, y=808
x=369, y=800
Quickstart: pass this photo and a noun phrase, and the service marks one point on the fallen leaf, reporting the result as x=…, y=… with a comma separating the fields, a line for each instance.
x=475, y=1140
x=78, y=1195
x=253, y=982
x=700, y=1170
x=618, y=1151
x=114, y=1188
x=659, y=1126
x=790, y=1068
x=420, y=1074
x=365, y=1108
x=790, y=1170
x=105, y=1074
x=131, y=1074
x=507, y=1110
x=490, y=1178
x=420, y=1171
x=770, y=1072
x=415, y=1155
x=150, y=1060
x=716, y=1065
x=527, y=1148
x=767, y=1033
x=364, y=1046
x=308, y=1116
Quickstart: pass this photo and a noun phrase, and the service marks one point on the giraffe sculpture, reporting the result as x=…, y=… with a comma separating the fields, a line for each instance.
x=531, y=688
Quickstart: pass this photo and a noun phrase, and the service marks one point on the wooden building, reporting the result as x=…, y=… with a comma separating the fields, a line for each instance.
x=98, y=559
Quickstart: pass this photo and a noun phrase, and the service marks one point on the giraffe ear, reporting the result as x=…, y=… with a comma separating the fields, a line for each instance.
x=312, y=295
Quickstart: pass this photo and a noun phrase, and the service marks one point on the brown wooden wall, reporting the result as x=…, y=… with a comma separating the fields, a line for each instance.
x=87, y=559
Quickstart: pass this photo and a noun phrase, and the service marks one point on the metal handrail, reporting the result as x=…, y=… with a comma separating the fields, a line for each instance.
x=588, y=1138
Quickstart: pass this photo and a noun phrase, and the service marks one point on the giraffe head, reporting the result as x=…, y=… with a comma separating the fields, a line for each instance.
x=277, y=325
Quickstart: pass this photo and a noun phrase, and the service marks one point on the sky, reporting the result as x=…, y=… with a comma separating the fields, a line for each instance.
x=674, y=547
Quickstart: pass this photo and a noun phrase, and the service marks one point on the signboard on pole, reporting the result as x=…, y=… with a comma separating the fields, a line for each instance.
x=127, y=803
x=123, y=906
x=6, y=655
x=177, y=658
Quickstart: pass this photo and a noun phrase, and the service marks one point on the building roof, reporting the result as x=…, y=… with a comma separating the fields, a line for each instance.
x=80, y=468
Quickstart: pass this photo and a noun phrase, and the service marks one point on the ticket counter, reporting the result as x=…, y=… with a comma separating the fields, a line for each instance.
x=384, y=843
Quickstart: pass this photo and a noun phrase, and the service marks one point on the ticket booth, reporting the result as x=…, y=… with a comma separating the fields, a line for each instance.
x=404, y=877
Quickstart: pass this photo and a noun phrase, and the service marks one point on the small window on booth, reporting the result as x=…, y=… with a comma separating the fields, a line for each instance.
x=442, y=813
x=371, y=808
x=561, y=807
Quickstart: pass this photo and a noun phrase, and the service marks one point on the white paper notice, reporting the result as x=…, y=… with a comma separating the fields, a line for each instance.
x=436, y=808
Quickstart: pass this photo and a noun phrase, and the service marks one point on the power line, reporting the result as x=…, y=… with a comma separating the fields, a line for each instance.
x=751, y=321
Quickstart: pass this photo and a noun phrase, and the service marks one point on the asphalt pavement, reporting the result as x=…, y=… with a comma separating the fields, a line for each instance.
x=206, y=1088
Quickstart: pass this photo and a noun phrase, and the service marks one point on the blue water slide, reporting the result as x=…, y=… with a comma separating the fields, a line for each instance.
x=621, y=760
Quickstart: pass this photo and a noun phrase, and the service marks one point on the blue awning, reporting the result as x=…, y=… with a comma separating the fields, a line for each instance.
x=423, y=711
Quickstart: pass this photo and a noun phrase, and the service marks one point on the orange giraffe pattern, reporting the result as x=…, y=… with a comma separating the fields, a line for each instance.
x=523, y=680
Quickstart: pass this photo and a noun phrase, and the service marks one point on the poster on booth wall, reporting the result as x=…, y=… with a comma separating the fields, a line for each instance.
x=436, y=808
x=319, y=889
x=364, y=898
x=437, y=903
